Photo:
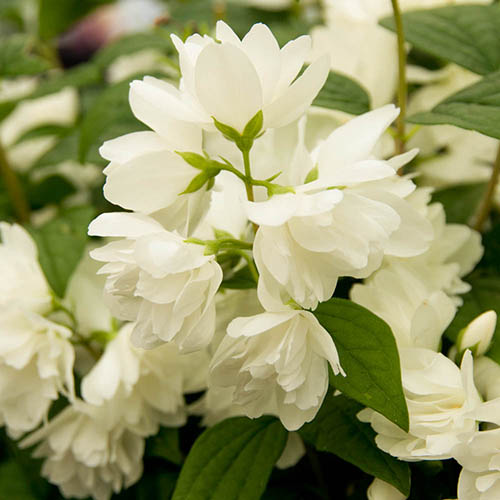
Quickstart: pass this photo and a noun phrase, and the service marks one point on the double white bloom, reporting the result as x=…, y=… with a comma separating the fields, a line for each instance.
x=156, y=279
x=341, y=224
x=276, y=363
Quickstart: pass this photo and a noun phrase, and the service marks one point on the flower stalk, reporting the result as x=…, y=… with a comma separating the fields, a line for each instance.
x=487, y=201
x=400, y=138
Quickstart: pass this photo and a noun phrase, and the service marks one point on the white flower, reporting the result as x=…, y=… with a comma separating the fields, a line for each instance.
x=342, y=224
x=478, y=333
x=416, y=312
x=156, y=279
x=146, y=387
x=36, y=363
x=276, y=363
x=487, y=377
x=233, y=80
x=23, y=282
x=380, y=490
x=443, y=404
x=480, y=456
x=147, y=176
x=86, y=454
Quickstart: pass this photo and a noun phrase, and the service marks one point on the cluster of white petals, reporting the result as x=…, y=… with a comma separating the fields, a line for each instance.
x=158, y=280
x=444, y=405
x=36, y=357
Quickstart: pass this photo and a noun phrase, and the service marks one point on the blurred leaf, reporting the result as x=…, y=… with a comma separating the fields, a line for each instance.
x=50, y=190
x=16, y=57
x=61, y=243
x=460, y=202
x=464, y=34
x=337, y=430
x=108, y=116
x=65, y=149
x=344, y=94
x=127, y=45
x=56, y=16
x=476, y=107
x=13, y=483
x=43, y=131
x=166, y=445
x=369, y=356
x=232, y=460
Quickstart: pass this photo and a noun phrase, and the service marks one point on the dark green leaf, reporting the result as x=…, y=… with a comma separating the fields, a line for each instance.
x=460, y=202
x=16, y=57
x=61, y=243
x=476, y=107
x=166, y=445
x=337, y=430
x=232, y=460
x=50, y=190
x=464, y=34
x=344, y=94
x=484, y=295
x=369, y=356
x=14, y=484
x=65, y=149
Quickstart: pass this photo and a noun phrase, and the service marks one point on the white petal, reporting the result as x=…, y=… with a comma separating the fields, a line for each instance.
x=227, y=85
x=129, y=146
x=123, y=224
x=255, y=325
x=293, y=55
x=273, y=212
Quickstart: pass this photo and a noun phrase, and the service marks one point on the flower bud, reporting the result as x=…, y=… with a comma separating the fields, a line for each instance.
x=478, y=333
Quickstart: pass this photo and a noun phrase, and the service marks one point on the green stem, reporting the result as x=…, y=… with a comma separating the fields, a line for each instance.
x=14, y=188
x=487, y=202
x=400, y=138
x=248, y=175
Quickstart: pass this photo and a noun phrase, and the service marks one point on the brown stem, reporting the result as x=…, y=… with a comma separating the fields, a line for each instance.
x=487, y=201
x=14, y=188
x=400, y=139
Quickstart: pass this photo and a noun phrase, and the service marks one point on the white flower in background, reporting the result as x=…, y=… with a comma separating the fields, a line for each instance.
x=36, y=364
x=276, y=363
x=478, y=333
x=60, y=108
x=234, y=79
x=88, y=454
x=342, y=224
x=416, y=312
x=487, y=377
x=443, y=404
x=23, y=282
x=380, y=490
x=156, y=279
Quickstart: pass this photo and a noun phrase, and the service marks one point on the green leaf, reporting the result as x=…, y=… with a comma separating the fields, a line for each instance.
x=49, y=190
x=232, y=460
x=369, y=356
x=343, y=94
x=337, y=430
x=460, y=202
x=43, y=131
x=241, y=280
x=464, y=34
x=127, y=45
x=108, y=116
x=483, y=296
x=65, y=149
x=476, y=107
x=16, y=57
x=61, y=243
x=166, y=445
x=14, y=484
